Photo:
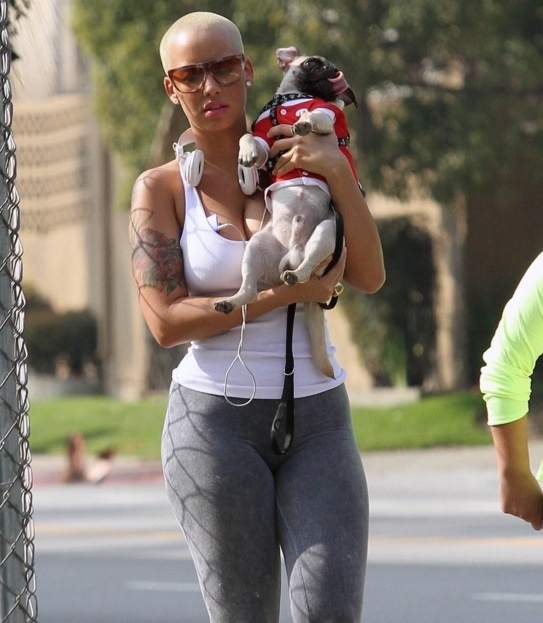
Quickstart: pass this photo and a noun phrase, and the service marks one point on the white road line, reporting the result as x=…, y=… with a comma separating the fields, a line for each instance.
x=178, y=587
x=514, y=597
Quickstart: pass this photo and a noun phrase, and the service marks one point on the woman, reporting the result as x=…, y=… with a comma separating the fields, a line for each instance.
x=505, y=383
x=239, y=503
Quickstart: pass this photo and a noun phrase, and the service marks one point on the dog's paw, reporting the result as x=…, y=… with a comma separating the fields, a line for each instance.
x=248, y=151
x=224, y=306
x=289, y=277
x=302, y=128
x=248, y=158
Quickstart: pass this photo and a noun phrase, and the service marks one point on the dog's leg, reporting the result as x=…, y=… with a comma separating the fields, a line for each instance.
x=260, y=261
x=252, y=155
x=313, y=121
x=320, y=245
x=252, y=269
x=251, y=152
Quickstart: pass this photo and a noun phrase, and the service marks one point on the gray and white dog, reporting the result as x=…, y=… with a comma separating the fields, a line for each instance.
x=302, y=230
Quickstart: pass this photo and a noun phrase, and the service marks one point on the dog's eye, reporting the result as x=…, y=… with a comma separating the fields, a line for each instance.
x=312, y=64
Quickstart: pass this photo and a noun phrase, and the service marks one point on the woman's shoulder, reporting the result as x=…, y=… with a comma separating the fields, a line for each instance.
x=531, y=283
x=165, y=177
x=160, y=188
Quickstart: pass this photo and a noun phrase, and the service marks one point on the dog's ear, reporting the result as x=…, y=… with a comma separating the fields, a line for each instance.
x=348, y=97
x=285, y=56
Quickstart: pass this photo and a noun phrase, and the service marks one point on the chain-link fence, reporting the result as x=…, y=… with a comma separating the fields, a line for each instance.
x=18, y=603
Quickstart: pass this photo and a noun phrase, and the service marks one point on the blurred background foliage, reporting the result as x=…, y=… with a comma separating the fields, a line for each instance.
x=462, y=68
x=64, y=344
x=397, y=331
x=450, y=105
x=16, y=10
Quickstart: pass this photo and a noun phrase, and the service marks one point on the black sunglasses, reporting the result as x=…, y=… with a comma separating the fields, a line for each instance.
x=225, y=71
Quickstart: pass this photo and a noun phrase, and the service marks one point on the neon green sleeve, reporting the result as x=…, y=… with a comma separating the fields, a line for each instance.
x=518, y=342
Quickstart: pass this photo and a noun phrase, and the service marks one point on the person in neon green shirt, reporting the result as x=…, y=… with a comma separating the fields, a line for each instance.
x=506, y=386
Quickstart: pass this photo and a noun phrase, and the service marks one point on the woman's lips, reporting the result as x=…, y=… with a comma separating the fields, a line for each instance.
x=215, y=108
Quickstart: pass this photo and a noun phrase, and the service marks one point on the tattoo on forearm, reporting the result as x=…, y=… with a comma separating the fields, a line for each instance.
x=157, y=261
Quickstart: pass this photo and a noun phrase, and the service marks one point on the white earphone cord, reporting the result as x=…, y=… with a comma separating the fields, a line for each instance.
x=239, y=358
x=242, y=334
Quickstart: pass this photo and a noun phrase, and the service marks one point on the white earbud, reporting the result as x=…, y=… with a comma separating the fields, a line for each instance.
x=191, y=163
x=194, y=166
x=248, y=179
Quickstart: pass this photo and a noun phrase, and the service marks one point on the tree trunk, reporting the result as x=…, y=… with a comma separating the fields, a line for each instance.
x=450, y=305
x=167, y=132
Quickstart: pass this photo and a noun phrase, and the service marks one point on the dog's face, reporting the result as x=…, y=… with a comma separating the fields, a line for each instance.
x=311, y=74
x=314, y=75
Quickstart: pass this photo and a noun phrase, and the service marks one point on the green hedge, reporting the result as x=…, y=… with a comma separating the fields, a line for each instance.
x=50, y=336
x=395, y=328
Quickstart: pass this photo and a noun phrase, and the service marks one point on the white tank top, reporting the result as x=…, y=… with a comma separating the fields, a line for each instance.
x=213, y=267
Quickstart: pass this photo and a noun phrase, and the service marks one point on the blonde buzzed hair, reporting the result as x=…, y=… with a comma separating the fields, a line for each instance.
x=197, y=21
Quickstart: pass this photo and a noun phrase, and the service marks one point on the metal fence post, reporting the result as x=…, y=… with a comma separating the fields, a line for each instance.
x=18, y=602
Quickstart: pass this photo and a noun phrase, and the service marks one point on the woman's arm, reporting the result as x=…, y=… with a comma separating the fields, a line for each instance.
x=506, y=386
x=320, y=154
x=520, y=493
x=173, y=316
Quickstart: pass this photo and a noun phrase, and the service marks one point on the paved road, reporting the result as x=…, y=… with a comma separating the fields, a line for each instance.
x=440, y=550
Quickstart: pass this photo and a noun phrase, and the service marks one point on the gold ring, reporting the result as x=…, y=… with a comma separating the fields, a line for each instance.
x=338, y=289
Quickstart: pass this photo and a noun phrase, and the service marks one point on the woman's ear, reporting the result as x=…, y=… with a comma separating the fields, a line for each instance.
x=170, y=91
x=249, y=71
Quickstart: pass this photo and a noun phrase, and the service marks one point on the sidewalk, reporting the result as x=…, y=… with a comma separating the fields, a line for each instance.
x=52, y=469
x=49, y=470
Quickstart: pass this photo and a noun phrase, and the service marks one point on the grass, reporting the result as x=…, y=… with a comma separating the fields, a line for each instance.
x=134, y=429
x=455, y=419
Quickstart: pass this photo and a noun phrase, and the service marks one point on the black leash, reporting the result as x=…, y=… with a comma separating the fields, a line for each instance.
x=285, y=410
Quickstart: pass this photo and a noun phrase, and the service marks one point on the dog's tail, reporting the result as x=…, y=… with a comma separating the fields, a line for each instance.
x=315, y=324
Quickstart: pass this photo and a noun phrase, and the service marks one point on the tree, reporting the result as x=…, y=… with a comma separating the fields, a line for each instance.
x=451, y=108
x=435, y=79
x=122, y=38
x=457, y=106
x=450, y=91
x=16, y=10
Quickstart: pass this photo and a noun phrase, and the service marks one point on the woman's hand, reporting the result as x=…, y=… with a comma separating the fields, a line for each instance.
x=521, y=496
x=520, y=493
x=317, y=153
x=321, y=289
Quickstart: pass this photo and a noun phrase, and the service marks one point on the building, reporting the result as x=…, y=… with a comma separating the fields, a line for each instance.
x=76, y=250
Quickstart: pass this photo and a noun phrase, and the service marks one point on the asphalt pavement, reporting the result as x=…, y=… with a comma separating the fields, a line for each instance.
x=407, y=464
x=440, y=549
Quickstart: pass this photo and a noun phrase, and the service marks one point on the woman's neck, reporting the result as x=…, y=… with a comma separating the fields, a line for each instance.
x=220, y=147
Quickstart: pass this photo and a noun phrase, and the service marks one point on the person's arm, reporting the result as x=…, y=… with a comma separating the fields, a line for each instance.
x=320, y=154
x=173, y=316
x=520, y=493
x=506, y=386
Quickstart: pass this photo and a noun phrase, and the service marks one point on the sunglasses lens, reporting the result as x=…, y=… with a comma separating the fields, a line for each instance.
x=227, y=71
x=191, y=78
x=188, y=79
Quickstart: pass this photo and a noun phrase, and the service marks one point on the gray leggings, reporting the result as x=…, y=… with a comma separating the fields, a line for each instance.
x=239, y=505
